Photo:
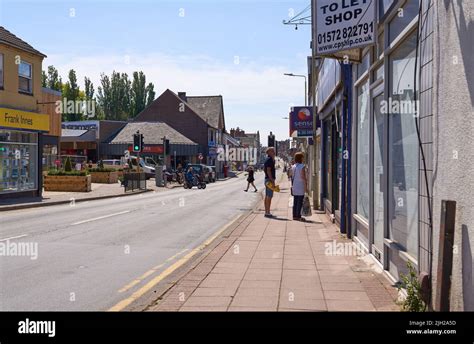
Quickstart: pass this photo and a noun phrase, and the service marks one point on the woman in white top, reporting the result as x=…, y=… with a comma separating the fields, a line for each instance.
x=299, y=186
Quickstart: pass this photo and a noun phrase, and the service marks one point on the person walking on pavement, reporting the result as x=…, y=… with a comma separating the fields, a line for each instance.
x=289, y=171
x=299, y=186
x=270, y=176
x=250, y=179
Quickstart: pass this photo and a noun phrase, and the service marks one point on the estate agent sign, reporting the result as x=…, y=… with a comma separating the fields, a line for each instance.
x=344, y=25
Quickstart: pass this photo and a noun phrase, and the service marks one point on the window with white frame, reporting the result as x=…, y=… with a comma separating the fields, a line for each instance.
x=363, y=147
x=25, y=76
x=1, y=70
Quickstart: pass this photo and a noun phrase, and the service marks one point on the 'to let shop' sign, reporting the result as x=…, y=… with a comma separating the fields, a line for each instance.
x=344, y=25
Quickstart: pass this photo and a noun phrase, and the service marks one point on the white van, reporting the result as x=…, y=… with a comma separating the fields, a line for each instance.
x=148, y=169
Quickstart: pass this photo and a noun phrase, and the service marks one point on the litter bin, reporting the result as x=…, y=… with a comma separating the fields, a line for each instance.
x=159, y=181
x=225, y=170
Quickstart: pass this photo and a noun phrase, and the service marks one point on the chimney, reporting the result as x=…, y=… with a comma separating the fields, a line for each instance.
x=182, y=96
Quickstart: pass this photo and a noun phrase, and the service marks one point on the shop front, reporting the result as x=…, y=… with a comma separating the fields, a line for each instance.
x=330, y=110
x=386, y=178
x=20, y=155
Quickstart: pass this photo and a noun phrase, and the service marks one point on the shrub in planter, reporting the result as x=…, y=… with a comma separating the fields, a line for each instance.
x=72, y=181
x=104, y=175
x=67, y=165
x=102, y=169
x=54, y=172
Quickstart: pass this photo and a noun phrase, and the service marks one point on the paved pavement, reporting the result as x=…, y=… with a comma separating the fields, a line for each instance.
x=92, y=255
x=280, y=265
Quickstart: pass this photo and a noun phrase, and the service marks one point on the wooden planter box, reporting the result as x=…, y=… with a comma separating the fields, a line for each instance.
x=105, y=177
x=67, y=183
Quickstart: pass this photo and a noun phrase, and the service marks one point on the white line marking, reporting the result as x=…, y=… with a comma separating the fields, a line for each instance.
x=100, y=218
x=14, y=237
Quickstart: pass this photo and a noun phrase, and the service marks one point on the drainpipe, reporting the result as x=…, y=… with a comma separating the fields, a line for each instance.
x=349, y=149
x=343, y=147
x=346, y=149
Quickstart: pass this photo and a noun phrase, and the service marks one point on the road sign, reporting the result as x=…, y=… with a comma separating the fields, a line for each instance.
x=200, y=157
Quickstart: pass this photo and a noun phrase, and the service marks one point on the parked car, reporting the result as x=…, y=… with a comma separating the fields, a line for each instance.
x=212, y=176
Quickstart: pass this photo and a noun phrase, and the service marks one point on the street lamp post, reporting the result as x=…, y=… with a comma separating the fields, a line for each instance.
x=305, y=87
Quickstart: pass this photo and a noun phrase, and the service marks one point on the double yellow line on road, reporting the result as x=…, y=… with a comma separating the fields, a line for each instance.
x=147, y=287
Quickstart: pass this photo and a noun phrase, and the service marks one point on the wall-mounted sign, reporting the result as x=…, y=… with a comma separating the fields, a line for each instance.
x=151, y=149
x=23, y=120
x=344, y=25
x=301, y=121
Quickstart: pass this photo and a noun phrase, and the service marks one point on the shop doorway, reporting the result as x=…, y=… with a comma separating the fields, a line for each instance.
x=379, y=170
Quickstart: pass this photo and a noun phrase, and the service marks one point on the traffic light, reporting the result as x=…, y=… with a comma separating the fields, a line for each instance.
x=167, y=147
x=137, y=142
x=142, y=143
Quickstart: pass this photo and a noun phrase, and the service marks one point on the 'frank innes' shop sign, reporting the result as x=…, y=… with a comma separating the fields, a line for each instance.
x=23, y=120
x=344, y=24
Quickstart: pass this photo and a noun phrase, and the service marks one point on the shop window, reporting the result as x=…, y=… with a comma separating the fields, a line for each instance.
x=25, y=74
x=380, y=45
x=1, y=70
x=364, y=65
x=378, y=74
x=403, y=149
x=403, y=18
x=363, y=144
x=328, y=157
x=384, y=6
x=18, y=161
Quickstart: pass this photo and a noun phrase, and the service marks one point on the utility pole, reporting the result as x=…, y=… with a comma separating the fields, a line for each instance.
x=317, y=204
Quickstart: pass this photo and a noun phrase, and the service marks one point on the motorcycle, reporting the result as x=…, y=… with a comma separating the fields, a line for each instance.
x=170, y=176
x=179, y=177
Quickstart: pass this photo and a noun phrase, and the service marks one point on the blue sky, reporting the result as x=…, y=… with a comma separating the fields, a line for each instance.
x=237, y=48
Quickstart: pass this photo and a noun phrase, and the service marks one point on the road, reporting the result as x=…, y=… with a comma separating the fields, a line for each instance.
x=90, y=253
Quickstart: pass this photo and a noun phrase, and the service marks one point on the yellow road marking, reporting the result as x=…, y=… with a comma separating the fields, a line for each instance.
x=147, y=287
x=150, y=272
x=176, y=255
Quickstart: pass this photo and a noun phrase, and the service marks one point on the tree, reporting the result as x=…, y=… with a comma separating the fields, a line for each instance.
x=90, y=110
x=71, y=93
x=114, y=96
x=88, y=89
x=52, y=79
x=44, y=79
x=150, y=94
x=138, y=94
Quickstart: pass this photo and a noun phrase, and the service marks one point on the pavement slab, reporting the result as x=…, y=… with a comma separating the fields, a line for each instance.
x=284, y=265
